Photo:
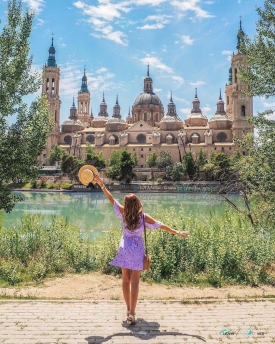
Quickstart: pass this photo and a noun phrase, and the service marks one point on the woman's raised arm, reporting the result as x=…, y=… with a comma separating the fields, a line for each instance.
x=183, y=234
x=106, y=192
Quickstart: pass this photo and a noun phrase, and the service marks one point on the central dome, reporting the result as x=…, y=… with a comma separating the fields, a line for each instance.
x=147, y=99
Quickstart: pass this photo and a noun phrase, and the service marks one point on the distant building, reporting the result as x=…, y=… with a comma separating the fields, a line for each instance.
x=147, y=128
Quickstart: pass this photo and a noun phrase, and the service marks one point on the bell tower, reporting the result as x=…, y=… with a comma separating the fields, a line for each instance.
x=50, y=88
x=84, y=101
x=239, y=106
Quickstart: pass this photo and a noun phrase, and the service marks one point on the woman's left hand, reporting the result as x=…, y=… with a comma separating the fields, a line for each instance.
x=183, y=234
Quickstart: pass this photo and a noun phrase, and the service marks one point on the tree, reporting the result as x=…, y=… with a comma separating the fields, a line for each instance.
x=152, y=159
x=93, y=158
x=164, y=159
x=121, y=165
x=56, y=154
x=24, y=140
x=189, y=164
x=221, y=164
x=174, y=172
x=201, y=160
x=259, y=73
x=70, y=165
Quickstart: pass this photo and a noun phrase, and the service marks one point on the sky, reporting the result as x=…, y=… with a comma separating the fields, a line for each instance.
x=187, y=43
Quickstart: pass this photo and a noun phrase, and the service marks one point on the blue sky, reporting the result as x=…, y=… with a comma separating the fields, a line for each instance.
x=187, y=43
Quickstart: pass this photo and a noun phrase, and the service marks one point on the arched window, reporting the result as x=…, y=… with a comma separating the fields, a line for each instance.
x=145, y=116
x=221, y=137
x=47, y=85
x=227, y=102
x=157, y=117
x=236, y=72
x=243, y=111
x=55, y=116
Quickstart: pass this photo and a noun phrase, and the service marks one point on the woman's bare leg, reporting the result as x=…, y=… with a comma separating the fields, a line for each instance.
x=134, y=290
x=126, y=283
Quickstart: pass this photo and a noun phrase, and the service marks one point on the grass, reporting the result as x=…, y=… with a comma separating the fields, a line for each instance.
x=223, y=250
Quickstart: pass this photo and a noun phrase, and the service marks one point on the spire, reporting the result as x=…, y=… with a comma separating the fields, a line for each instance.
x=171, y=107
x=129, y=113
x=171, y=99
x=220, y=105
x=103, y=100
x=91, y=116
x=116, y=110
x=73, y=111
x=148, y=83
x=51, y=58
x=196, y=103
x=84, y=86
x=240, y=37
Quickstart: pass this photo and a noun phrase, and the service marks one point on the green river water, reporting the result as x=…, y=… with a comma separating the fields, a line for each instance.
x=93, y=214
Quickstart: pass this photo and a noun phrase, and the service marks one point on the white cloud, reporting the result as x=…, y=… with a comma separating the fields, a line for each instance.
x=197, y=83
x=35, y=5
x=161, y=21
x=187, y=40
x=186, y=111
x=40, y=21
x=227, y=52
x=178, y=79
x=154, y=61
x=148, y=2
x=206, y=109
x=70, y=81
x=191, y=5
x=101, y=70
x=100, y=17
x=269, y=104
x=157, y=90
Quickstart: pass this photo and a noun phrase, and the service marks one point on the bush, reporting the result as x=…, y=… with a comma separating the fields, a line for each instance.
x=159, y=180
x=65, y=185
x=224, y=250
x=33, y=252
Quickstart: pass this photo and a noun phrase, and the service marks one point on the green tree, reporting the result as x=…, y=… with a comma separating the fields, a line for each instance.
x=93, y=158
x=70, y=165
x=24, y=140
x=121, y=165
x=221, y=164
x=164, y=159
x=174, y=172
x=201, y=160
x=259, y=73
x=152, y=159
x=56, y=154
x=189, y=164
x=235, y=158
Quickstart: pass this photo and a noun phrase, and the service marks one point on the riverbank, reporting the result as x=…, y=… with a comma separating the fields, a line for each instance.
x=98, y=286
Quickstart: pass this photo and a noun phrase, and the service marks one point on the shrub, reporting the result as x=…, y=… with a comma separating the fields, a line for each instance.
x=159, y=180
x=65, y=185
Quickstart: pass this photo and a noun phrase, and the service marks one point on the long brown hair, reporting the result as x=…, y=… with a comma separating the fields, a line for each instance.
x=132, y=211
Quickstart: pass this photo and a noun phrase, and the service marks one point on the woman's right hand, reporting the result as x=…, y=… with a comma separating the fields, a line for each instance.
x=98, y=180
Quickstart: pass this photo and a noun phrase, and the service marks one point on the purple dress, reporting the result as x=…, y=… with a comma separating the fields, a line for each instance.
x=131, y=248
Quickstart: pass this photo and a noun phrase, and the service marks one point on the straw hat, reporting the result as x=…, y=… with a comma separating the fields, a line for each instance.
x=86, y=174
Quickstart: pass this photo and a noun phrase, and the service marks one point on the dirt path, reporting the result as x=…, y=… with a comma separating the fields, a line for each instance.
x=96, y=286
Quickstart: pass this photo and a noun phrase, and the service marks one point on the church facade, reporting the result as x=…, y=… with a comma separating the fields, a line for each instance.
x=148, y=127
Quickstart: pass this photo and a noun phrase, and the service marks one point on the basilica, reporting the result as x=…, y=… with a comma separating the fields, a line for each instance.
x=148, y=126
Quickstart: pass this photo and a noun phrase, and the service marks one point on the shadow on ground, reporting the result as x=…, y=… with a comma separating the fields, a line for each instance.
x=143, y=330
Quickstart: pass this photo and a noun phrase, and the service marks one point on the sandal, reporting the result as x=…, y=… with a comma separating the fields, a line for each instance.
x=131, y=319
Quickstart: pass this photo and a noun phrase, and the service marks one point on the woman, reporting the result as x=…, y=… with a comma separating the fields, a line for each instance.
x=131, y=249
